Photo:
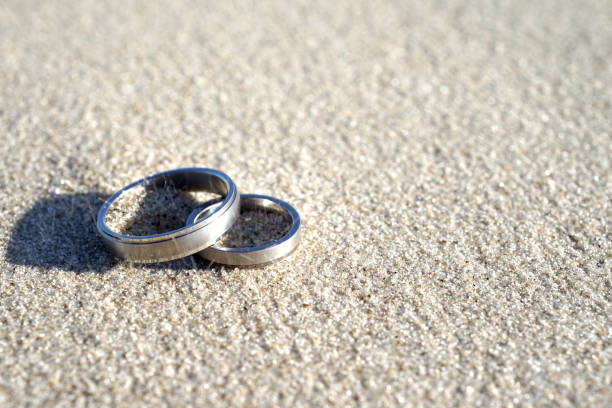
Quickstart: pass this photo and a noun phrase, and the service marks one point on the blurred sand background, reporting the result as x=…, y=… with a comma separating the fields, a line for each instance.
x=450, y=161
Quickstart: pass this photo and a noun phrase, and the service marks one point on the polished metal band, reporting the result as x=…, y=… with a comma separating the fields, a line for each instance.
x=183, y=241
x=255, y=255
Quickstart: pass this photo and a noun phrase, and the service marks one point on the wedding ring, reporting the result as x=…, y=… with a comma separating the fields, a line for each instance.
x=251, y=255
x=183, y=241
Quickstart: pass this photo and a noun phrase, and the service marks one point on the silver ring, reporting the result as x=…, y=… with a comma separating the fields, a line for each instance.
x=183, y=241
x=254, y=255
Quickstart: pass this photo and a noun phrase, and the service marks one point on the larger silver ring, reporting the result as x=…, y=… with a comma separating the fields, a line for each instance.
x=252, y=255
x=186, y=240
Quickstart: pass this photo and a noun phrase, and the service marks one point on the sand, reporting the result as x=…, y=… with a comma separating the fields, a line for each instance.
x=450, y=163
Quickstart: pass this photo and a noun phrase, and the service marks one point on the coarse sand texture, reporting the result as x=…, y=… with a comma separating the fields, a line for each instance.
x=450, y=162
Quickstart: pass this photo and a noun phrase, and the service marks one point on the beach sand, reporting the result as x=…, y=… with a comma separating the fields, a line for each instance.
x=450, y=163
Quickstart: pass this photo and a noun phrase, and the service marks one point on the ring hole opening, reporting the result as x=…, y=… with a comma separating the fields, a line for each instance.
x=255, y=227
x=153, y=208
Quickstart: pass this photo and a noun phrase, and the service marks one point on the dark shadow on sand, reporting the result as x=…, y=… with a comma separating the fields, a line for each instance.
x=60, y=232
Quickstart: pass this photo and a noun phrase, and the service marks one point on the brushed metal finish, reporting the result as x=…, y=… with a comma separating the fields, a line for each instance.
x=263, y=254
x=183, y=241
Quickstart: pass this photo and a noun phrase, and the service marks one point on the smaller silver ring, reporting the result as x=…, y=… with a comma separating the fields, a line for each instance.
x=252, y=255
